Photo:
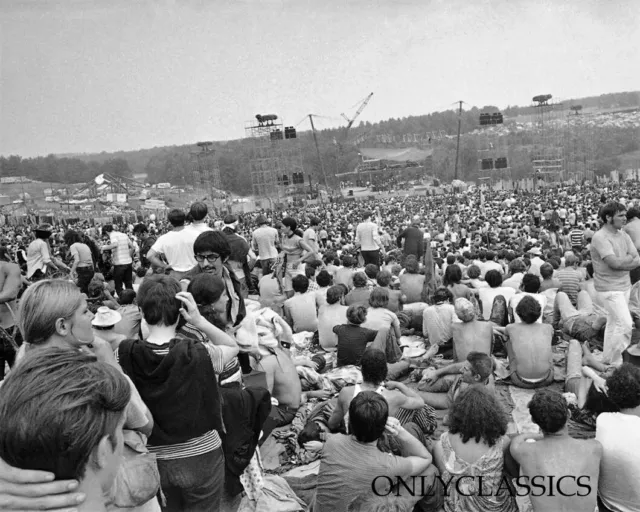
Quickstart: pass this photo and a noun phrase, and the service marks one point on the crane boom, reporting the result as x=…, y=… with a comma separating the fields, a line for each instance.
x=358, y=112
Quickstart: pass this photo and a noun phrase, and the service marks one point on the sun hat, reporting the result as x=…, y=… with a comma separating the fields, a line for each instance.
x=106, y=317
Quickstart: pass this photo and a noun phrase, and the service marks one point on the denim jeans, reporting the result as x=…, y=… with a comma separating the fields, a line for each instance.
x=194, y=484
x=617, y=334
x=123, y=274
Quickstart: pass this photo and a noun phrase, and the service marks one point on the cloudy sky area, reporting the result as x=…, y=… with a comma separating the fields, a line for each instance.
x=106, y=75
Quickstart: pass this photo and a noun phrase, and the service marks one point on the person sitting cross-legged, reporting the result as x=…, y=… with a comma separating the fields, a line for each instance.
x=300, y=310
x=353, y=464
x=529, y=347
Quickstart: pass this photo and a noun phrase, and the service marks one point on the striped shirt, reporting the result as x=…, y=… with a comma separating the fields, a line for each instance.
x=570, y=279
x=576, y=237
x=207, y=442
x=121, y=254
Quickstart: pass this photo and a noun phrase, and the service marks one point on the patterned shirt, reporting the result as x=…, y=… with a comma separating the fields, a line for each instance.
x=121, y=254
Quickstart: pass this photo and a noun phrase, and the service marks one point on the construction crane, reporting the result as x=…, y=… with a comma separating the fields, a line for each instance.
x=358, y=112
x=350, y=122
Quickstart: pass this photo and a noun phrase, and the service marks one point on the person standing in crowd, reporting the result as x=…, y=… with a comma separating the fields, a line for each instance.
x=632, y=228
x=264, y=242
x=614, y=255
x=368, y=240
x=10, y=283
x=39, y=258
x=121, y=250
x=82, y=269
x=198, y=215
x=176, y=247
x=238, y=259
x=413, y=239
x=295, y=251
x=146, y=243
x=310, y=235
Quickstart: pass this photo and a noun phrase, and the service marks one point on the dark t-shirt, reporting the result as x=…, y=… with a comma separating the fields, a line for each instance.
x=352, y=342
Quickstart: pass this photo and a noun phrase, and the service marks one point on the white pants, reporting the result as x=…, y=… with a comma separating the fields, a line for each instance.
x=617, y=334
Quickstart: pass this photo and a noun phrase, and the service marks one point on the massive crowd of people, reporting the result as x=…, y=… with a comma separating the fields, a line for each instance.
x=144, y=365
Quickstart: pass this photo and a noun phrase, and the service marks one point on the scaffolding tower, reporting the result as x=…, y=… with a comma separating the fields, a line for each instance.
x=580, y=146
x=493, y=161
x=275, y=157
x=547, y=153
x=206, y=169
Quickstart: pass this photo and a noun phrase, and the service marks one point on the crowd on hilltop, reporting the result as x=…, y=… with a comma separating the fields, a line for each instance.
x=143, y=365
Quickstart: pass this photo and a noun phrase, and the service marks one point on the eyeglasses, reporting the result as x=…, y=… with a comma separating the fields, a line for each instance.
x=211, y=258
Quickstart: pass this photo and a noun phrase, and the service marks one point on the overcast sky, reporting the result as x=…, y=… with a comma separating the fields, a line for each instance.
x=106, y=75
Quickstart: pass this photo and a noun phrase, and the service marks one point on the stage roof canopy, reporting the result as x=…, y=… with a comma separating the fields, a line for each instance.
x=396, y=155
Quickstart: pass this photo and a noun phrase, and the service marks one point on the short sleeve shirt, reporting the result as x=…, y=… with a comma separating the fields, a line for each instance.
x=603, y=244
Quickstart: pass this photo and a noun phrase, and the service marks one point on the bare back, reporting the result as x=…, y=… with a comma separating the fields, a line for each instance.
x=471, y=336
x=282, y=372
x=577, y=460
x=529, y=349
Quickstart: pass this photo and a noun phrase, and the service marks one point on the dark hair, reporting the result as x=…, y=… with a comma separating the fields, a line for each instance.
x=493, y=278
x=474, y=272
x=324, y=278
x=549, y=410
x=315, y=221
x=517, y=265
x=212, y=241
x=531, y=283
x=623, y=386
x=56, y=406
x=300, y=283
x=71, y=237
x=442, y=295
x=371, y=270
x=374, y=366
x=334, y=294
x=107, y=228
x=348, y=261
x=633, y=213
x=198, y=211
x=546, y=271
x=528, y=309
x=589, y=268
x=411, y=265
x=126, y=297
x=383, y=278
x=610, y=210
x=481, y=364
x=140, y=228
x=360, y=280
x=379, y=298
x=452, y=275
x=206, y=288
x=176, y=218
x=290, y=223
x=356, y=314
x=476, y=414
x=157, y=300
x=368, y=414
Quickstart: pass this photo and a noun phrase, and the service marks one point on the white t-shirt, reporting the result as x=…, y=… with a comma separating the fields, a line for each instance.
x=619, y=435
x=515, y=300
x=177, y=247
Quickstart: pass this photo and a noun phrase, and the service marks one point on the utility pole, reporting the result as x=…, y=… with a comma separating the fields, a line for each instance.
x=315, y=138
x=458, y=143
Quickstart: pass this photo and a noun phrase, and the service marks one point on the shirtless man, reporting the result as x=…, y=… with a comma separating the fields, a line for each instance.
x=374, y=373
x=438, y=388
x=470, y=335
x=574, y=464
x=10, y=283
x=529, y=347
x=284, y=385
